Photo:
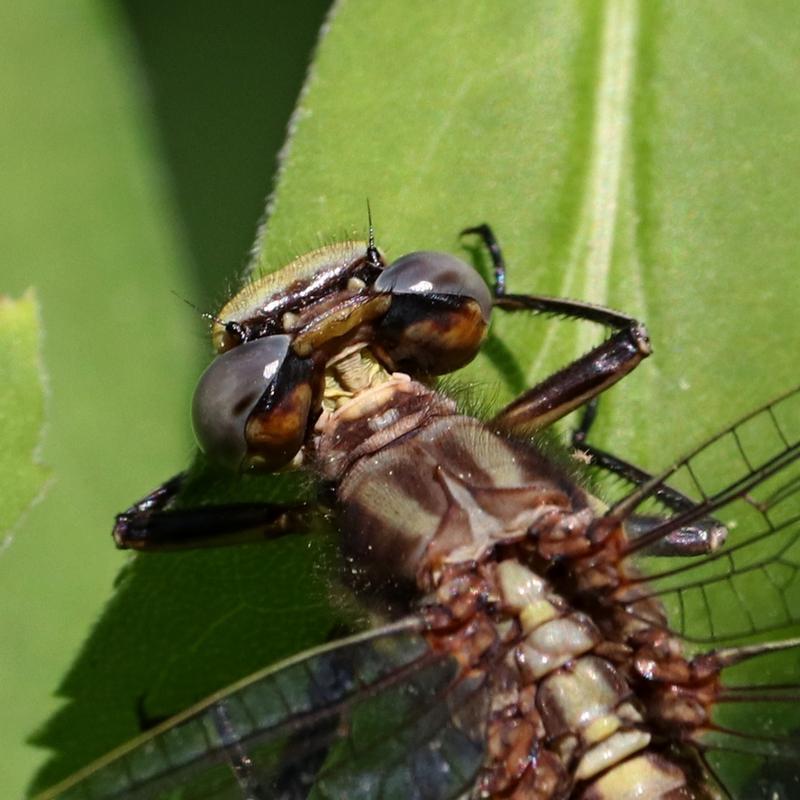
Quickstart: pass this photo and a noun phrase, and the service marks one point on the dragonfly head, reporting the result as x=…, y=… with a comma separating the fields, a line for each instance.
x=424, y=314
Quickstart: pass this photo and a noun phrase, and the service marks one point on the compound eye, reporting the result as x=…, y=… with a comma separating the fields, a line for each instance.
x=431, y=273
x=250, y=408
x=439, y=314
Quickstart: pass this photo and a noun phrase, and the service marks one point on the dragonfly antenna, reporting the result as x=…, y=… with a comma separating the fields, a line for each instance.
x=203, y=314
x=373, y=256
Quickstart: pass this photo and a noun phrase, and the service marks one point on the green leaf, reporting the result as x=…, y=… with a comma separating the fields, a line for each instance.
x=22, y=476
x=87, y=220
x=89, y=214
x=640, y=155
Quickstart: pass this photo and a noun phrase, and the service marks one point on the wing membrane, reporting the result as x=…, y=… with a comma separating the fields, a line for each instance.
x=748, y=477
x=365, y=717
x=740, y=594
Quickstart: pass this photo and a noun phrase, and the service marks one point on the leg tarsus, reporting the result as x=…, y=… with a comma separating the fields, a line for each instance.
x=493, y=246
x=542, y=304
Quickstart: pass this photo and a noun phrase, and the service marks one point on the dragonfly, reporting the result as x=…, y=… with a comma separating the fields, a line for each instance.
x=570, y=627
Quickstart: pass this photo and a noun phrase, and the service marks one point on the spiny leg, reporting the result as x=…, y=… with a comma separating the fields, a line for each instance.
x=150, y=525
x=702, y=536
x=585, y=377
x=539, y=303
x=493, y=246
x=575, y=384
x=580, y=383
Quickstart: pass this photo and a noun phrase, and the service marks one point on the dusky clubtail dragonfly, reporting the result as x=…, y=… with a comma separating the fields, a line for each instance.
x=557, y=641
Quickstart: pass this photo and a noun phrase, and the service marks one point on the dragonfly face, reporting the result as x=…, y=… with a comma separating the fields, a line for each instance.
x=558, y=647
x=426, y=313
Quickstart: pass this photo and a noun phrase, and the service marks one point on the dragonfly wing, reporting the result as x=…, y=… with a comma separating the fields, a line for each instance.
x=742, y=597
x=748, y=477
x=378, y=715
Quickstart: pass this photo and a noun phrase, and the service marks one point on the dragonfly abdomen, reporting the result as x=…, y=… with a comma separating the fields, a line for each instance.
x=472, y=517
x=561, y=720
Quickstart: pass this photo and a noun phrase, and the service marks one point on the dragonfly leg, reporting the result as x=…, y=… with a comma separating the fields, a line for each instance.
x=493, y=246
x=584, y=378
x=702, y=536
x=539, y=303
x=150, y=524
x=580, y=383
x=672, y=498
x=577, y=383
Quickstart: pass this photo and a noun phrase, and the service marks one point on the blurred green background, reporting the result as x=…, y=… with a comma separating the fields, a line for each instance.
x=136, y=150
x=635, y=153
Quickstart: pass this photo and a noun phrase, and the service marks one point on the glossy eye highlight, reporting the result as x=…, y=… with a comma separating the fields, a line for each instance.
x=228, y=392
x=429, y=272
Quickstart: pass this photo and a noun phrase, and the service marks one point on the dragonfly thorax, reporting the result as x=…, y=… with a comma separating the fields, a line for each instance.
x=422, y=486
x=288, y=344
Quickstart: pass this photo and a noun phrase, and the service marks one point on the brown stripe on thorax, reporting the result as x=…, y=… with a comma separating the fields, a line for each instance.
x=421, y=486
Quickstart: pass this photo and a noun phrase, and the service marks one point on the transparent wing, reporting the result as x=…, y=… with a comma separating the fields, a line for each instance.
x=378, y=715
x=748, y=477
x=743, y=598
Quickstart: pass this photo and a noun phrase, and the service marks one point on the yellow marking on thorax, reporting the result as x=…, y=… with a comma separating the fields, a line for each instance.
x=352, y=373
